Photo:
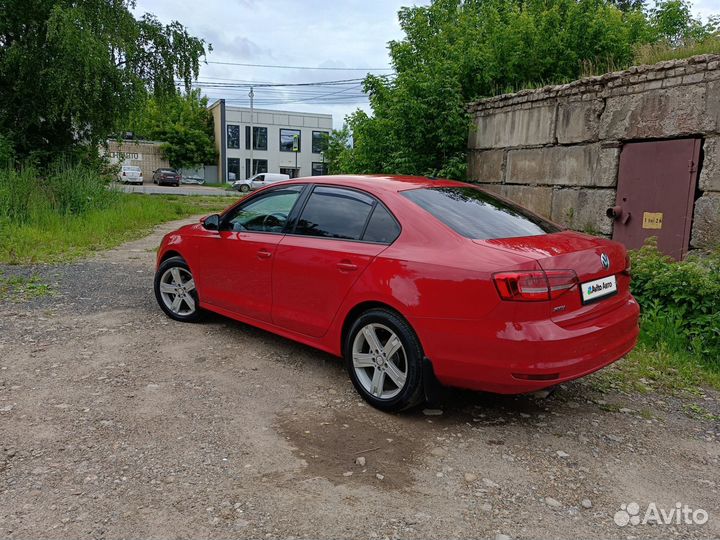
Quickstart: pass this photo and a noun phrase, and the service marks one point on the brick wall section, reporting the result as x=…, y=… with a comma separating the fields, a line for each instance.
x=556, y=149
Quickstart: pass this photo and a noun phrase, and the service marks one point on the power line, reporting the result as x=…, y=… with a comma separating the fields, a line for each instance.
x=213, y=84
x=272, y=66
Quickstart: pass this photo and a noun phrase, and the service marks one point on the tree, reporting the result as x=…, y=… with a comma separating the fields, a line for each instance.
x=183, y=123
x=674, y=24
x=629, y=5
x=69, y=69
x=456, y=51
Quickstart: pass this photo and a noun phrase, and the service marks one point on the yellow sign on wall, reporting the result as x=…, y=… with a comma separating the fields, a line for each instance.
x=652, y=220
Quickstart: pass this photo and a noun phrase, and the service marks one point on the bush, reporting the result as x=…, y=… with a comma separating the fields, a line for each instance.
x=680, y=302
x=27, y=196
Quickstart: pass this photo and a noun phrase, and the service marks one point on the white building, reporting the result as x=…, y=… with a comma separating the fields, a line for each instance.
x=284, y=142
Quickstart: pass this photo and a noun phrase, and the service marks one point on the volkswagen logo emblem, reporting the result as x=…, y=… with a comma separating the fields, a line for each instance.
x=605, y=261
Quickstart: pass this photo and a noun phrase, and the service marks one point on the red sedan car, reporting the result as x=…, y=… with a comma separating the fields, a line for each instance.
x=410, y=280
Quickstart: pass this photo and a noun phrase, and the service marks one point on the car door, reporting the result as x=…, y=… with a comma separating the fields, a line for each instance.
x=237, y=262
x=319, y=260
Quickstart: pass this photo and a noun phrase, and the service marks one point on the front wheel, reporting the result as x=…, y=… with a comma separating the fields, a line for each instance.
x=175, y=290
x=244, y=188
x=384, y=360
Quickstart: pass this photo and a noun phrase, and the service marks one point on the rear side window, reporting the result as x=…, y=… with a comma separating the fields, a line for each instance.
x=335, y=213
x=477, y=214
x=382, y=227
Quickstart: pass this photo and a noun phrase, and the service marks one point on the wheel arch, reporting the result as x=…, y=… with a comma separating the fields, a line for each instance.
x=168, y=254
x=361, y=307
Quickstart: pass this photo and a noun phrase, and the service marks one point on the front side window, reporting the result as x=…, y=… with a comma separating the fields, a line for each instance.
x=335, y=213
x=267, y=213
x=259, y=138
x=477, y=214
x=233, y=136
x=319, y=141
x=289, y=140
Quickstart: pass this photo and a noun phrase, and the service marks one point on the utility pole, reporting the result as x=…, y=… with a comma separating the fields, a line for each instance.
x=296, y=149
x=252, y=132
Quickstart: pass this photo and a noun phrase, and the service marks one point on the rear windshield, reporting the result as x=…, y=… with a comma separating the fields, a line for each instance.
x=477, y=214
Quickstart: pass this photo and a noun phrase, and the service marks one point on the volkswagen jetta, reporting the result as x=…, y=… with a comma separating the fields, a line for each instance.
x=411, y=280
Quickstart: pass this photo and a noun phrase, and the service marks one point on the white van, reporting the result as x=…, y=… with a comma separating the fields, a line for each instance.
x=259, y=180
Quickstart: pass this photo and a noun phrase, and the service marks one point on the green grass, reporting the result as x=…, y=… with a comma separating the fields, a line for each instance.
x=649, y=369
x=53, y=237
x=18, y=288
x=651, y=54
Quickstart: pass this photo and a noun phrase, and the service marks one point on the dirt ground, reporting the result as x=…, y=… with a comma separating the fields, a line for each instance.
x=118, y=422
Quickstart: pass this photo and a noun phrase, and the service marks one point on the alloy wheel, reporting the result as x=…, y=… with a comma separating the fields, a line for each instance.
x=176, y=290
x=379, y=360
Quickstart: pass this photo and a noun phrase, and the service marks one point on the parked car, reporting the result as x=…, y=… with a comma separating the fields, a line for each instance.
x=166, y=176
x=192, y=180
x=259, y=181
x=130, y=174
x=411, y=280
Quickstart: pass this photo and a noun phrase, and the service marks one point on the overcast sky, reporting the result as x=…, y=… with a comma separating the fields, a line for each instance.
x=342, y=33
x=315, y=33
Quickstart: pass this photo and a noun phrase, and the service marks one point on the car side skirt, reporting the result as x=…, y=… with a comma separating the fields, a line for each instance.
x=270, y=327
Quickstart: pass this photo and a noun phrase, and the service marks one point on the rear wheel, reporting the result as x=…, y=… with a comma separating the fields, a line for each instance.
x=384, y=360
x=175, y=290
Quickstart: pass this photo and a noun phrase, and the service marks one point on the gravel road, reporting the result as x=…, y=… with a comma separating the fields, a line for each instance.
x=118, y=422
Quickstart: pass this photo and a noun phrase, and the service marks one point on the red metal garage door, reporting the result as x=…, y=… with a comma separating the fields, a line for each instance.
x=655, y=195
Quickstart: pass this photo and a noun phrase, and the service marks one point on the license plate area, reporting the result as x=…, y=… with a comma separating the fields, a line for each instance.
x=595, y=290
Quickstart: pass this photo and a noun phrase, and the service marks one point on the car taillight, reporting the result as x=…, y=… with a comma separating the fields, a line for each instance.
x=534, y=285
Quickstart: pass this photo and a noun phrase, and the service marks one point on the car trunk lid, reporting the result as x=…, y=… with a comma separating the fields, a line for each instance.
x=581, y=253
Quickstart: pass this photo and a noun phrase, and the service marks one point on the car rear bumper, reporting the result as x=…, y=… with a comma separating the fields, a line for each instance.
x=516, y=358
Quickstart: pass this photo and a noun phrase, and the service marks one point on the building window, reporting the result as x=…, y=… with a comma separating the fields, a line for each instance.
x=319, y=141
x=319, y=169
x=259, y=138
x=261, y=166
x=289, y=140
x=233, y=169
x=233, y=136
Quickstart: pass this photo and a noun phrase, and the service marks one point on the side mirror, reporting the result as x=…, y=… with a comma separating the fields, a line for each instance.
x=211, y=222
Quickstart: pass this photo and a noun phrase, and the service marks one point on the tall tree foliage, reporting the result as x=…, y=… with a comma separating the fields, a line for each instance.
x=69, y=69
x=184, y=124
x=456, y=51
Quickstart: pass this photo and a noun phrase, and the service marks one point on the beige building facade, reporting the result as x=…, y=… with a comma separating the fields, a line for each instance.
x=144, y=154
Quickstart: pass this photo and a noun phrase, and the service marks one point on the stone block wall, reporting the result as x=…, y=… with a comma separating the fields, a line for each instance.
x=556, y=149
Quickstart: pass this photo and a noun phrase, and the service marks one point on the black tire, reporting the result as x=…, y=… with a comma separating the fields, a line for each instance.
x=244, y=188
x=167, y=265
x=411, y=394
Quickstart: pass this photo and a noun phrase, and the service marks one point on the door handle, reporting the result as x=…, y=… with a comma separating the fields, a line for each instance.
x=264, y=254
x=346, y=266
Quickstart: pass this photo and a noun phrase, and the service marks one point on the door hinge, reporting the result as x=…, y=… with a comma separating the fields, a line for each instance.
x=691, y=164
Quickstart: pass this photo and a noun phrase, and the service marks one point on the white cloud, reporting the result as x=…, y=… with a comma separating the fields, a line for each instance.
x=317, y=33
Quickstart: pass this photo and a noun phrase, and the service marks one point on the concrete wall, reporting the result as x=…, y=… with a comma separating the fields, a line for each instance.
x=556, y=149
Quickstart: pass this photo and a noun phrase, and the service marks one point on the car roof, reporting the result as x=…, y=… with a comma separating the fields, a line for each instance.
x=379, y=182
